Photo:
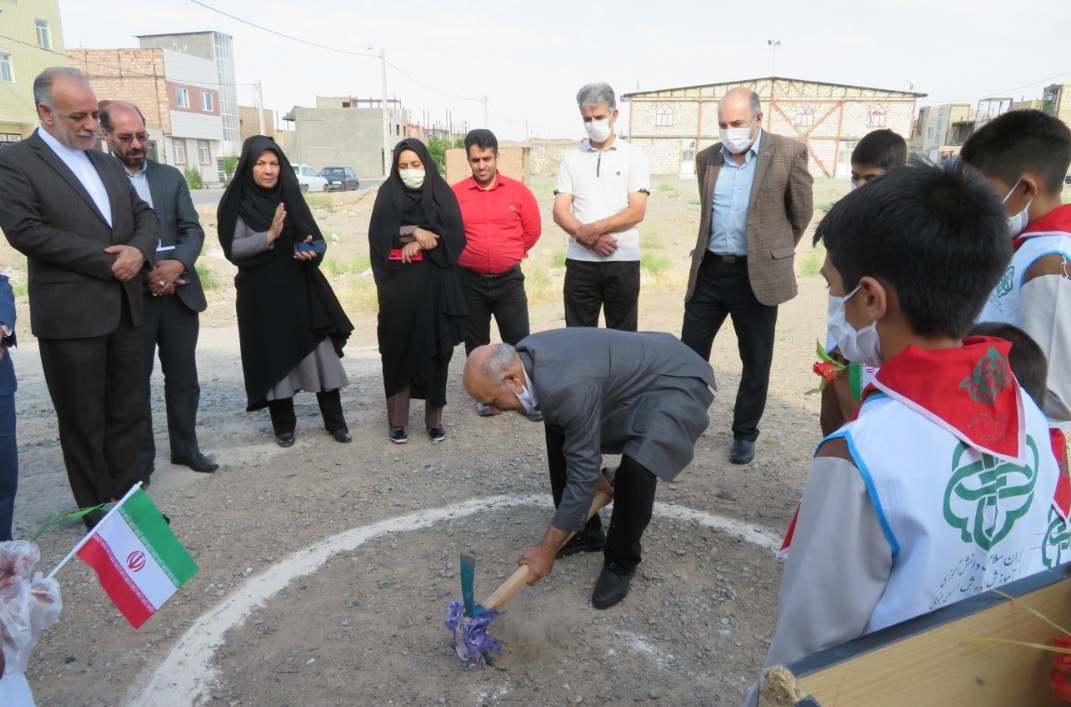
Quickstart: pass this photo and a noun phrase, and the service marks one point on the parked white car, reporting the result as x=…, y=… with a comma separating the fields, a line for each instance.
x=309, y=178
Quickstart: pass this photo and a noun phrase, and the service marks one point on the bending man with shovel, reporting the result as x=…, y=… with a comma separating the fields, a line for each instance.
x=642, y=395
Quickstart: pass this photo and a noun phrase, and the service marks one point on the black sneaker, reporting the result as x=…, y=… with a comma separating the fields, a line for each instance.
x=437, y=434
x=584, y=541
x=611, y=588
x=398, y=435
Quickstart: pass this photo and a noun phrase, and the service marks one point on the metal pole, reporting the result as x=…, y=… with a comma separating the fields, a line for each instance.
x=260, y=106
x=386, y=113
x=486, y=123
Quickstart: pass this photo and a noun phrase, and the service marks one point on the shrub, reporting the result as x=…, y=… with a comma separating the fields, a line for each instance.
x=654, y=264
x=557, y=259
x=208, y=277
x=194, y=179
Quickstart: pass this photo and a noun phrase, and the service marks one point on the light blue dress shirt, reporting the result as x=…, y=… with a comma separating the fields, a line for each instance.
x=78, y=162
x=141, y=183
x=732, y=193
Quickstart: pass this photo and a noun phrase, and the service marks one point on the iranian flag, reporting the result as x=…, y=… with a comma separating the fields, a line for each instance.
x=138, y=559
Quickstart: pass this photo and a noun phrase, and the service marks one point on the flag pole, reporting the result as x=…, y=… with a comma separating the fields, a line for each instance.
x=91, y=533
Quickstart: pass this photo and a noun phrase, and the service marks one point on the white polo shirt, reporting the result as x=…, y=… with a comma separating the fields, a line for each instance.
x=600, y=182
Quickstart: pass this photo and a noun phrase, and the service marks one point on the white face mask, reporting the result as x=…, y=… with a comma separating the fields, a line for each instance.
x=860, y=346
x=412, y=178
x=1017, y=223
x=598, y=130
x=524, y=397
x=737, y=140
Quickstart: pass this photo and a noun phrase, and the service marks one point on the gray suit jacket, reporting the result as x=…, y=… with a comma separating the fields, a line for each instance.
x=641, y=394
x=179, y=226
x=781, y=206
x=48, y=215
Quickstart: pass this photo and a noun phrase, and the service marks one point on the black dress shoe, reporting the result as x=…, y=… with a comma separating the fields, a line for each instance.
x=398, y=435
x=743, y=451
x=285, y=440
x=342, y=435
x=437, y=434
x=584, y=541
x=199, y=463
x=611, y=588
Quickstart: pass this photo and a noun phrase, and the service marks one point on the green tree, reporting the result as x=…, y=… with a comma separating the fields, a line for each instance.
x=437, y=149
x=194, y=180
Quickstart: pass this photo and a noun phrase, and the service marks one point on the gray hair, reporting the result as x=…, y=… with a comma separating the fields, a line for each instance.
x=753, y=99
x=594, y=94
x=42, y=85
x=498, y=362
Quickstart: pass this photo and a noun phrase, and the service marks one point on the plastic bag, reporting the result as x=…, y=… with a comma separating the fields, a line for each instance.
x=29, y=604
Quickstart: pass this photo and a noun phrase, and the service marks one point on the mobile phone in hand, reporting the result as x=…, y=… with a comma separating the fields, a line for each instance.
x=317, y=247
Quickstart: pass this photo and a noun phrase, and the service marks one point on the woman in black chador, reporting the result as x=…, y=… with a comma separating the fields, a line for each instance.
x=290, y=324
x=415, y=237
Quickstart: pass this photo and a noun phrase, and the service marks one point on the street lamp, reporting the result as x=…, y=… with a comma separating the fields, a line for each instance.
x=774, y=44
x=386, y=115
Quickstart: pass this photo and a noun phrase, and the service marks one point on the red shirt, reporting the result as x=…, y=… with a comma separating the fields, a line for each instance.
x=501, y=224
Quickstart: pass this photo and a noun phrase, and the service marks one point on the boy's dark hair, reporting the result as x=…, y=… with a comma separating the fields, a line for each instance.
x=1026, y=358
x=881, y=148
x=1021, y=141
x=936, y=235
x=481, y=138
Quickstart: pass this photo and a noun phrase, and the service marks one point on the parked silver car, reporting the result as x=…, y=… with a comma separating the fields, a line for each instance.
x=309, y=179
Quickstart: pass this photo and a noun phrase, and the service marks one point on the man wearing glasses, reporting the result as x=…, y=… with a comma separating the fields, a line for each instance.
x=173, y=294
x=87, y=238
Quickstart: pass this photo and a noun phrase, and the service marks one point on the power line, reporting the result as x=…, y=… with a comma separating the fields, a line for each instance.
x=996, y=94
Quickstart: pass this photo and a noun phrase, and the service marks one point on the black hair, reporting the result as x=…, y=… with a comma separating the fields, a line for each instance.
x=481, y=138
x=1021, y=141
x=938, y=236
x=880, y=148
x=1025, y=357
x=106, y=108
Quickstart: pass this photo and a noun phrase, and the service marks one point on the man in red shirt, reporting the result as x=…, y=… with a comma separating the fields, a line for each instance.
x=502, y=223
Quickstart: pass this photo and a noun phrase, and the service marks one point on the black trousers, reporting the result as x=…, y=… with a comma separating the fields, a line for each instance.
x=634, y=494
x=723, y=289
x=501, y=296
x=174, y=327
x=97, y=387
x=613, y=287
x=284, y=421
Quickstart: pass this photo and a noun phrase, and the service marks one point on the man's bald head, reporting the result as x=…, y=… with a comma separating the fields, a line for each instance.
x=490, y=373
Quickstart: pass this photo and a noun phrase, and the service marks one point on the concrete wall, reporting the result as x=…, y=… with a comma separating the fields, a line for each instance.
x=829, y=118
x=512, y=162
x=350, y=137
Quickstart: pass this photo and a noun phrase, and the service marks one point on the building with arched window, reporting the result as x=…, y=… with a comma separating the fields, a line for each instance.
x=672, y=123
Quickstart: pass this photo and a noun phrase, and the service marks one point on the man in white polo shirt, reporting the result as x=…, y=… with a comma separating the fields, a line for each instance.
x=600, y=198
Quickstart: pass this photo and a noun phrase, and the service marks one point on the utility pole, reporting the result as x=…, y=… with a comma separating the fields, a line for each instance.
x=260, y=106
x=486, y=123
x=386, y=113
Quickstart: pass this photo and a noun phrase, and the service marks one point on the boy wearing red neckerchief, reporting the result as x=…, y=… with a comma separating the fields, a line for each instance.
x=943, y=482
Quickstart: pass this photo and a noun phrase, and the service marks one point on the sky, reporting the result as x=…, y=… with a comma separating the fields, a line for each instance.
x=529, y=58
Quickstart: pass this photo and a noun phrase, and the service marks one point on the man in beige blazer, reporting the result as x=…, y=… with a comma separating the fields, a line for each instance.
x=757, y=199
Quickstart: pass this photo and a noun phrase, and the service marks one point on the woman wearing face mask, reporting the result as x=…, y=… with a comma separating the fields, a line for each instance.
x=415, y=238
x=291, y=326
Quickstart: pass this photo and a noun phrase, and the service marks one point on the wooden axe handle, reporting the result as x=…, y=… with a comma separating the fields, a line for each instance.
x=519, y=579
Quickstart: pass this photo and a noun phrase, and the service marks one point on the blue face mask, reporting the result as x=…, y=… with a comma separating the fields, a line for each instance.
x=857, y=345
x=525, y=396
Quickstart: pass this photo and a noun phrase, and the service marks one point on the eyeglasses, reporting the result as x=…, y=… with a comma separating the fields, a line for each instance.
x=126, y=139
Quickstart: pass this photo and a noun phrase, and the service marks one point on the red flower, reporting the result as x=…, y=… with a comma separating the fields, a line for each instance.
x=1060, y=677
x=827, y=371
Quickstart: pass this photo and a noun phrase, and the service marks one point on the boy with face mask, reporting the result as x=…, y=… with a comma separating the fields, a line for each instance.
x=947, y=464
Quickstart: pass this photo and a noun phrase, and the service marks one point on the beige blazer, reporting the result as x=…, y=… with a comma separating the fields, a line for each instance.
x=781, y=206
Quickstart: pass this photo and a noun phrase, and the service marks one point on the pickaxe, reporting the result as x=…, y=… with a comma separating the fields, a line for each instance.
x=468, y=620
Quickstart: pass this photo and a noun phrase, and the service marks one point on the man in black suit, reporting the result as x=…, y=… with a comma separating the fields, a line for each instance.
x=87, y=238
x=173, y=293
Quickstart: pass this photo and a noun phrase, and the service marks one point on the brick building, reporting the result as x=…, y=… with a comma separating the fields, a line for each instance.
x=177, y=93
x=673, y=124
x=31, y=40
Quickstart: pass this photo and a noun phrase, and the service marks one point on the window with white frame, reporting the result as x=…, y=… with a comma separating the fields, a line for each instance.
x=182, y=98
x=6, y=74
x=663, y=115
x=180, y=151
x=206, y=102
x=44, y=34
x=204, y=152
x=877, y=116
x=805, y=116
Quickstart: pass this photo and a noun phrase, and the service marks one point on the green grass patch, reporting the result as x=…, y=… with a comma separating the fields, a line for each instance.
x=825, y=206
x=654, y=264
x=557, y=259
x=334, y=267
x=695, y=202
x=651, y=239
x=20, y=289
x=537, y=282
x=666, y=186
x=812, y=262
x=320, y=201
x=209, y=278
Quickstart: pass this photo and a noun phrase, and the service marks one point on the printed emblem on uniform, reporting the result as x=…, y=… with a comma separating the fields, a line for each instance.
x=1005, y=284
x=1057, y=540
x=989, y=378
x=985, y=498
